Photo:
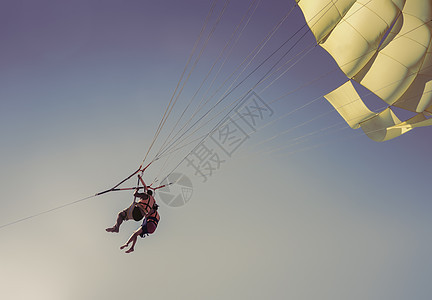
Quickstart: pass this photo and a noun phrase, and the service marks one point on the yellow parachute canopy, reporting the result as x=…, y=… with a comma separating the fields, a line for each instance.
x=384, y=45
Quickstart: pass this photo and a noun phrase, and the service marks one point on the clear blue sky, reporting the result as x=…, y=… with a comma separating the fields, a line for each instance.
x=84, y=85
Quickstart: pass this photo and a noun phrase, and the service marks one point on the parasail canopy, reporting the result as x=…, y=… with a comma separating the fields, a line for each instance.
x=384, y=45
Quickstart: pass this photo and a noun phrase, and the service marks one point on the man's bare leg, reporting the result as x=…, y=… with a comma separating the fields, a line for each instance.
x=116, y=228
x=131, y=249
x=133, y=238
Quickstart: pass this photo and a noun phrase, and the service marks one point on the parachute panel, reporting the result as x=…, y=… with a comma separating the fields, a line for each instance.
x=387, y=126
x=419, y=120
x=419, y=8
x=349, y=105
x=356, y=38
x=384, y=45
x=382, y=128
x=419, y=95
x=323, y=15
x=396, y=66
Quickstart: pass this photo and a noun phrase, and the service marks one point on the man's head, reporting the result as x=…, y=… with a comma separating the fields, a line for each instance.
x=149, y=192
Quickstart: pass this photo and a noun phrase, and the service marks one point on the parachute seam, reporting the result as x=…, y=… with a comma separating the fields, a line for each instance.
x=426, y=47
x=396, y=61
x=369, y=9
x=360, y=34
x=334, y=4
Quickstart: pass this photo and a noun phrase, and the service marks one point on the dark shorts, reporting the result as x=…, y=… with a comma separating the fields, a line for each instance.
x=148, y=227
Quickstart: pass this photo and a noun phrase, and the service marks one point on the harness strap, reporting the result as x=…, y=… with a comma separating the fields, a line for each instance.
x=146, y=204
x=153, y=220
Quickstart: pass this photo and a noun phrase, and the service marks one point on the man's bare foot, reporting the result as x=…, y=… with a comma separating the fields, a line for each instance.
x=113, y=229
x=124, y=246
x=130, y=250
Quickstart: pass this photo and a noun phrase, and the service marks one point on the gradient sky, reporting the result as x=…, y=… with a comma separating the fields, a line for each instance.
x=84, y=85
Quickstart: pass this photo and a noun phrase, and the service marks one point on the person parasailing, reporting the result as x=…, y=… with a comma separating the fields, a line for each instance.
x=145, y=208
x=148, y=226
